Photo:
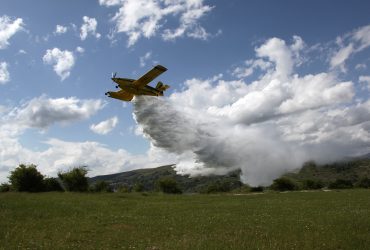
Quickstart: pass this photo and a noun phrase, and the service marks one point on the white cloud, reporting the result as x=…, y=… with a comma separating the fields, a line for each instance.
x=341, y=56
x=249, y=68
x=80, y=49
x=8, y=28
x=145, y=18
x=265, y=127
x=105, y=127
x=349, y=44
x=110, y=2
x=4, y=73
x=21, y=51
x=63, y=61
x=60, y=29
x=145, y=58
x=62, y=155
x=89, y=28
x=42, y=112
x=365, y=80
x=360, y=66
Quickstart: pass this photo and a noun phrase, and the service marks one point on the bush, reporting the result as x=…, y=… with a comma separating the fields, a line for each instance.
x=257, y=189
x=101, y=186
x=284, y=184
x=341, y=184
x=4, y=187
x=168, y=185
x=138, y=187
x=75, y=180
x=52, y=184
x=364, y=183
x=227, y=185
x=26, y=179
x=312, y=184
x=124, y=189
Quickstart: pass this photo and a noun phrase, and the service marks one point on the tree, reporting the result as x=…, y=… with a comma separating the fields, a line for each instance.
x=168, y=185
x=341, y=184
x=219, y=186
x=75, y=180
x=101, y=186
x=312, y=184
x=364, y=183
x=284, y=184
x=52, y=184
x=4, y=187
x=138, y=187
x=26, y=179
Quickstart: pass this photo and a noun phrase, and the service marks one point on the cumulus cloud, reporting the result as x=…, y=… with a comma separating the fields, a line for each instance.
x=4, y=73
x=89, y=28
x=265, y=127
x=8, y=28
x=105, y=127
x=60, y=29
x=42, y=112
x=143, y=18
x=63, y=61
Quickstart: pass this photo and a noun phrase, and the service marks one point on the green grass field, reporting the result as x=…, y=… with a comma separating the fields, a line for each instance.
x=295, y=220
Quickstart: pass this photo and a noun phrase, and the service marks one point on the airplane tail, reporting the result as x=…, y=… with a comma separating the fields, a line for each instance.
x=162, y=87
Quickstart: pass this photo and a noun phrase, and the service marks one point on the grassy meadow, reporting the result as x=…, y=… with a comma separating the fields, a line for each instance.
x=292, y=220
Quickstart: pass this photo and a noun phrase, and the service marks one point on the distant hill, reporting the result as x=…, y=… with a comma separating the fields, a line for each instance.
x=148, y=178
x=352, y=169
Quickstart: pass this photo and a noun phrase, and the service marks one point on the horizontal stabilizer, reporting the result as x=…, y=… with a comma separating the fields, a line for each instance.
x=161, y=87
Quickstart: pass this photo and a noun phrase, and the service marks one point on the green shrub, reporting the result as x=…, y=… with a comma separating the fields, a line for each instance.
x=168, y=185
x=52, y=184
x=4, y=187
x=284, y=184
x=124, y=189
x=75, y=180
x=257, y=189
x=26, y=179
x=221, y=186
x=312, y=184
x=364, y=183
x=341, y=184
x=138, y=187
x=101, y=186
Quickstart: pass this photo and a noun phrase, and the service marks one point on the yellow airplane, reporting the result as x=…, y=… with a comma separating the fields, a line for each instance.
x=130, y=87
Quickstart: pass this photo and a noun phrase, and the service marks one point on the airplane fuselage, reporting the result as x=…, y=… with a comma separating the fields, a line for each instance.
x=127, y=85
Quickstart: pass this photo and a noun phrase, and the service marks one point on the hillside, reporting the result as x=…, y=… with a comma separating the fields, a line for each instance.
x=148, y=178
x=352, y=169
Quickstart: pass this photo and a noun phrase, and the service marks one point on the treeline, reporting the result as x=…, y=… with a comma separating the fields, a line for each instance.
x=26, y=178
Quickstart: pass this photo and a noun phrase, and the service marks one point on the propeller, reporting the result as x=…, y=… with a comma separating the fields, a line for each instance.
x=114, y=75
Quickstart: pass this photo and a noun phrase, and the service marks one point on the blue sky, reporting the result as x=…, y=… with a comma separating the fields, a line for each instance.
x=57, y=57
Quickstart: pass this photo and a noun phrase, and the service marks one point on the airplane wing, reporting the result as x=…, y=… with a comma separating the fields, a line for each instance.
x=121, y=95
x=149, y=76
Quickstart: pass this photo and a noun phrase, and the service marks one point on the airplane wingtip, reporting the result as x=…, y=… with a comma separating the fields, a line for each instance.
x=160, y=67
